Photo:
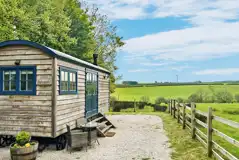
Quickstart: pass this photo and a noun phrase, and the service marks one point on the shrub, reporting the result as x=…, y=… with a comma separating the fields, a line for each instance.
x=237, y=97
x=198, y=97
x=160, y=100
x=112, y=100
x=193, y=98
x=141, y=105
x=116, y=107
x=224, y=97
x=157, y=107
x=201, y=117
x=145, y=99
x=210, y=99
x=180, y=100
x=23, y=138
x=167, y=101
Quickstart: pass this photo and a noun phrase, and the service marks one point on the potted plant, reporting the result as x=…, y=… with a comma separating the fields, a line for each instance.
x=24, y=148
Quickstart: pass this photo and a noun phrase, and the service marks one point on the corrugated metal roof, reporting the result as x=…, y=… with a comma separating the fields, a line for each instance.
x=53, y=53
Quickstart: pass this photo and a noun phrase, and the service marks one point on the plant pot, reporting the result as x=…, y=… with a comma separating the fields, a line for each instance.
x=26, y=153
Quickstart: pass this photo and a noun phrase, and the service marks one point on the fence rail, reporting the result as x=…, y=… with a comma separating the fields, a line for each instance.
x=181, y=112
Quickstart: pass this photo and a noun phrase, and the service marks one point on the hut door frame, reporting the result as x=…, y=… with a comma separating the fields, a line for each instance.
x=91, y=94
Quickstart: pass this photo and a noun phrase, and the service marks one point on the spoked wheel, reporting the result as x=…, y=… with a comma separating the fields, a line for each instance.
x=61, y=142
x=6, y=140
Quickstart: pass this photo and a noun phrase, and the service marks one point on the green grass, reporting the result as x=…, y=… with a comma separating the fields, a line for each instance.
x=222, y=110
x=167, y=91
x=183, y=146
x=227, y=111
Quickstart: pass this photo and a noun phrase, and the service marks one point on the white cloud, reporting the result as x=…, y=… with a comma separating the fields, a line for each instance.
x=180, y=68
x=211, y=36
x=155, y=64
x=197, y=43
x=138, y=70
x=138, y=9
x=224, y=71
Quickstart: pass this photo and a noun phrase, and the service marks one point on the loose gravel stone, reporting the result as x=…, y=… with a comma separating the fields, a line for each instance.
x=137, y=137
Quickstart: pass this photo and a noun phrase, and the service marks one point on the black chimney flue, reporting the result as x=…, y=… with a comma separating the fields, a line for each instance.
x=95, y=57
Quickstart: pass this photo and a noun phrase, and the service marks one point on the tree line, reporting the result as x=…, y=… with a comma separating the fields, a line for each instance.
x=71, y=26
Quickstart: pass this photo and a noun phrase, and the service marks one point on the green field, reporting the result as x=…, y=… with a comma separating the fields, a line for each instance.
x=168, y=91
x=226, y=110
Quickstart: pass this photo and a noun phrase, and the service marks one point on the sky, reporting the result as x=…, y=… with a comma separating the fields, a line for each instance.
x=194, y=39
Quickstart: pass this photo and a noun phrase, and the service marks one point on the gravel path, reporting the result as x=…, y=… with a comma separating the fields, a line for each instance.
x=138, y=137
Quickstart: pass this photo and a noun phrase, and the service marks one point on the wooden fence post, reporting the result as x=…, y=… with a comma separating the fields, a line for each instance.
x=193, y=120
x=209, y=132
x=184, y=116
x=171, y=107
x=178, y=112
x=174, y=108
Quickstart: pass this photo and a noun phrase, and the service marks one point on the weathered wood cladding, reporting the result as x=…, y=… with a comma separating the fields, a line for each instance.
x=104, y=94
x=30, y=113
x=46, y=113
x=70, y=108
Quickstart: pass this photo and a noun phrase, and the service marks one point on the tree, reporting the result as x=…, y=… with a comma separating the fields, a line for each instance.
x=160, y=100
x=107, y=40
x=59, y=24
x=224, y=97
x=237, y=97
x=64, y=26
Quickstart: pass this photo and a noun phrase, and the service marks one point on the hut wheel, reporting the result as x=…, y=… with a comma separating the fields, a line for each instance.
x=61, y=142
x=1, y=141
x=6, y=140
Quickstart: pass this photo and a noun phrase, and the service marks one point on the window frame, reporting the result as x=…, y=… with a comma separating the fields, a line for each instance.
x=17, y=69
x=68, y=70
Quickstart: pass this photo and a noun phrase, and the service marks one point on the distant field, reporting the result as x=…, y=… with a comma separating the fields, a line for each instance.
x=168, y=91
x=226, y=110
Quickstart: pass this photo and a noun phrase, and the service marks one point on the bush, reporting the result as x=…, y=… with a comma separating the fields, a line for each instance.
x=141, y=105
x=198, y=97
x=180, y=100
x=145, y=99
x=167, y=101
x=157, y=107
x=112, y=100
x=194, y=98
x=23, y=138
x=210, y=99
x=116, y=107
x=201, y=117
x=224, y=97
x=237, y=97
x=160, y=100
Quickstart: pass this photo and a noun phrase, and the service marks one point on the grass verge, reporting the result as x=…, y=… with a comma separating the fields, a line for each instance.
x=184, y=147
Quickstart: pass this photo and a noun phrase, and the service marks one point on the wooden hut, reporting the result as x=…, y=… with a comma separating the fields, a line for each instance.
x=42, y=89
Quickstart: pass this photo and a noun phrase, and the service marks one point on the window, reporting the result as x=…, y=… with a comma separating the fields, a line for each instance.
x=68, y=81
x=18, y=80
x=91, y=84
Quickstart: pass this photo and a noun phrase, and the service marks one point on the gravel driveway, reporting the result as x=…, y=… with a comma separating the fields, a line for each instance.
x=138, y=137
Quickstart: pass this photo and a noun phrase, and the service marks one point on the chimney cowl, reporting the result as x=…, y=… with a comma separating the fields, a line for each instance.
x=95, y=57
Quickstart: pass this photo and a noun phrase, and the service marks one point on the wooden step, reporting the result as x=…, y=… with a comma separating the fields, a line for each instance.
x=97, y=119
x=104, y=122
x=106, y=129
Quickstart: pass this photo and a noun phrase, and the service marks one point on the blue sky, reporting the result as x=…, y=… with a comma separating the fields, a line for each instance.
x=196, y=40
